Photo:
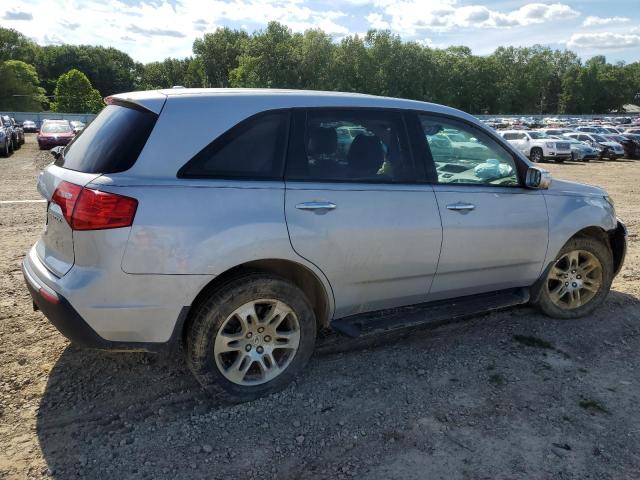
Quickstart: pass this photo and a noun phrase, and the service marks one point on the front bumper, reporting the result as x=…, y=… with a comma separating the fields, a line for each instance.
x=70, y=323
x=565, y=155
x=618, y=241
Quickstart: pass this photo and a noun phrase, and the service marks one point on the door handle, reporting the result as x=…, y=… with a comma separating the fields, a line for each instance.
x=461, y=206
x=320, y=207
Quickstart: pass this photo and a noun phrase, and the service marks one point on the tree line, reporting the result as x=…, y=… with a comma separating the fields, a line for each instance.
x=511, y=80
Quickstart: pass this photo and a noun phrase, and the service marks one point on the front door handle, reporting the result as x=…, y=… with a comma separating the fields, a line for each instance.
x=461, y=206
x=318, y=207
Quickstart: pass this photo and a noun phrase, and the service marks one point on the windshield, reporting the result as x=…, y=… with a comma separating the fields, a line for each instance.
x=599, y=138
x=56, y=128
x=537, y=135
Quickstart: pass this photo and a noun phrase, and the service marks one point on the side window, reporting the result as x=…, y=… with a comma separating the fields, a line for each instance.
x=253, y=149
x=470, y=156
x=511, y=136
x=343, y=145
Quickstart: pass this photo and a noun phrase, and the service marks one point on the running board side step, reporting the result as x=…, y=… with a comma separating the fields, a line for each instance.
x=430, y=313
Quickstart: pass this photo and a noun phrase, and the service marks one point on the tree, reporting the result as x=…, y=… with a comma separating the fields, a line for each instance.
x=16, y=46
x=219, y=53
x=74, y=94
x=20, y=87
x=109, y=70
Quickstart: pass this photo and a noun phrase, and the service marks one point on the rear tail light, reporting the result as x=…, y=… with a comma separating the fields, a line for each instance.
x=88, y=209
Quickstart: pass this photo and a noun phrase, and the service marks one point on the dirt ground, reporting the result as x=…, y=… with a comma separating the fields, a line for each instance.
x=510, y=395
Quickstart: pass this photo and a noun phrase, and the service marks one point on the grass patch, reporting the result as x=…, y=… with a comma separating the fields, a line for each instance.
x=533, y=342
x=593, y=405
x=497, y=379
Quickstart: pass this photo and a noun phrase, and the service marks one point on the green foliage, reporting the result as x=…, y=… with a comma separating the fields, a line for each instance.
x=518, y=80
x=219, y=53
x=20, y=90
x=16, y=46
x=74, y=94
x=108, y=69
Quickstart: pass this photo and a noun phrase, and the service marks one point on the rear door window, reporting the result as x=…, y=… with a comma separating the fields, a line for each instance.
x=112, y=142
x=345, y=145
x=253, y=149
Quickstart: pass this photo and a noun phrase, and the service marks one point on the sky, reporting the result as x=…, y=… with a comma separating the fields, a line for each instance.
x=151, y=30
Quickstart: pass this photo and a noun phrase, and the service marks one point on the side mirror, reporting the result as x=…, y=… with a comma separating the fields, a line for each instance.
x=56, y=152
x=526, y=139
x=538, y=178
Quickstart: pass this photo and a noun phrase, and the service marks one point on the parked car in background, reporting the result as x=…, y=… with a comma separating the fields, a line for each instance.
x=54, y=133
x=630, y=145
x=580, y=151
x=634, y=130
x=6, y=145
x=15, y=130
x=249, y=237
x=609, y=149
x=537, y=146
x=77, y=126
x=29, y=126
x=556, y=130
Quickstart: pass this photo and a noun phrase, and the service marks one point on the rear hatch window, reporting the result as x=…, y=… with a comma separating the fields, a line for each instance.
x=112, y=142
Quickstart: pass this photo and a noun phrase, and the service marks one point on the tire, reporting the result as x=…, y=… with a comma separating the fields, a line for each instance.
x=536, y=155
x=559, y=160
x=5, y=150
x=12, y=147
x=573, y=156
x=219, y=316
x=595, y=283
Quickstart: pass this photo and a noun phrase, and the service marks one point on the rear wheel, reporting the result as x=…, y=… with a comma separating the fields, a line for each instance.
x=579, y=279
x=5, y=149
x=251, y=337
x=536, y=155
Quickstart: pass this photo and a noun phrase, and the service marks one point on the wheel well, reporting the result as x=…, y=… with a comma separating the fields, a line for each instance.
x=296, y=273
x=614, y=239
x=593, y=232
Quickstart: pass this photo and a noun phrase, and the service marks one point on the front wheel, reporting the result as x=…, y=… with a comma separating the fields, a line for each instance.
x=536, y=155
x=579, y=279
x=251, y=337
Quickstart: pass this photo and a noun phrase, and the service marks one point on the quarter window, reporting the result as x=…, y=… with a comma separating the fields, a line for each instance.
x=350, y=146
x=253, y=149
x=465, y=155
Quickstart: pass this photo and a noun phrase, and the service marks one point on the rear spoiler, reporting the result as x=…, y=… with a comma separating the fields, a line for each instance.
x=151, y=101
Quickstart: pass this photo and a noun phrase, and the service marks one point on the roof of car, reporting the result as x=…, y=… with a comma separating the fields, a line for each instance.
x=154, y=99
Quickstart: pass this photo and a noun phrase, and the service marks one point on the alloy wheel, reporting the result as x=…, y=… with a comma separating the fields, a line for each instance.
x=574, y=279
x=257, y=342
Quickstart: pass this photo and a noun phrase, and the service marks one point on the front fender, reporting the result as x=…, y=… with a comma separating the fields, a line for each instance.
x=569, y=214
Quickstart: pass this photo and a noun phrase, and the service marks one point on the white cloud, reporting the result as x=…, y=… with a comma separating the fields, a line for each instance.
x=591, y=21
x=377, y=21
x=410, y=16
x=603, y=41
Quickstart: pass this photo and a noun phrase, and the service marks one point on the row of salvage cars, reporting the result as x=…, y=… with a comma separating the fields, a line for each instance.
x=580, y=143
x=11, y=135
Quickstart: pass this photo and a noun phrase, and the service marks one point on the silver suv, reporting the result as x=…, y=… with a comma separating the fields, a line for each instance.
x=264, y=222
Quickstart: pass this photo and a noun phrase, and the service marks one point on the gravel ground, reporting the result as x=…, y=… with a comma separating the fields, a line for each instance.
x=510, y=395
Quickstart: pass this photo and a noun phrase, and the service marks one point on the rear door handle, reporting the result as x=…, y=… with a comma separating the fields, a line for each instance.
x=319, y=207
x=461, y=206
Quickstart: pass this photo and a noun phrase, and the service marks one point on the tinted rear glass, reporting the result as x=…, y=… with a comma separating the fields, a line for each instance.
x=111, y=143
x=51, y=127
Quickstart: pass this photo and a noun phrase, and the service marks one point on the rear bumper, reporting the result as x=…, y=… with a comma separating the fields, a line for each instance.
x=53, y=142
x=62, y=314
